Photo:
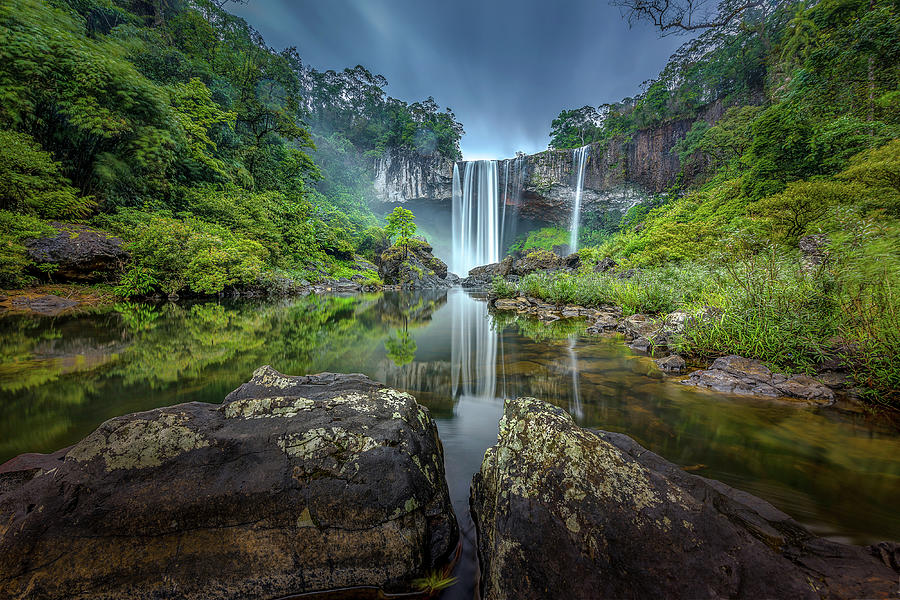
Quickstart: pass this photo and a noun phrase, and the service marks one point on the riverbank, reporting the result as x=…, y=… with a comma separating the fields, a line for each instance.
x=792, y=316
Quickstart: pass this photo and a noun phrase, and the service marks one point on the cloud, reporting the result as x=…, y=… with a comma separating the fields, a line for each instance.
x=506, y=67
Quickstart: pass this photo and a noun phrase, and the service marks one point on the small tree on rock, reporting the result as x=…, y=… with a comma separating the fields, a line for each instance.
x=401, y=225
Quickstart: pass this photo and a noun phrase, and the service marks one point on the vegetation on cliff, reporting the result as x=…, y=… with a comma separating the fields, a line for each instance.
x=220, y=161
x=795, y=133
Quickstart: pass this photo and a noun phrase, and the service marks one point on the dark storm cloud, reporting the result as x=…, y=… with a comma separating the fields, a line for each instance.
x=505, y=67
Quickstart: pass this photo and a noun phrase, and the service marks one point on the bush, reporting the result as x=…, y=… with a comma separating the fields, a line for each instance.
x=15, y=228
x=770, y=310
x=501, y=288
x=189, y=254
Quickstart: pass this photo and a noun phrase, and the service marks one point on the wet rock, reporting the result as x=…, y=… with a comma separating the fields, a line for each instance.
x=47, y=305
x=738, y=375
x=502, y=268
x=640, y=343
x=607, y=264
x=516, y=304
x=572, y=261
x=639, y=325
x=671, y=364
x=79, y=253
x=292, y=484
x=567, y=512
x=628, y=274
x=604, y=322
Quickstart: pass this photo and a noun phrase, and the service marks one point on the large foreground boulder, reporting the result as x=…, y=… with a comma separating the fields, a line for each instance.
x=79, y=253
x=567, y=512
x=292, y=484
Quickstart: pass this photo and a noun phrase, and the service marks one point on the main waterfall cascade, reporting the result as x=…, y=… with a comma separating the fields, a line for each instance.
x=484, y=213
x=579, y=159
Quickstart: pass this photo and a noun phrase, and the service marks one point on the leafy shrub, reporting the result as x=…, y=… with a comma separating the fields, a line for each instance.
x=501, y=288
x=32, y=182
x=136, y=281
x=15, y=228
x=189, y=254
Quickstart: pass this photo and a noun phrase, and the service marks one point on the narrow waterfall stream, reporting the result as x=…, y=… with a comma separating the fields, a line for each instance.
x=579, y=159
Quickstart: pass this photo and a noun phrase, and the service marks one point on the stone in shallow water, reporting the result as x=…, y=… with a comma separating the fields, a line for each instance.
x=671, y=364
x=738, y=375
x=293, y=484
x=568, y=512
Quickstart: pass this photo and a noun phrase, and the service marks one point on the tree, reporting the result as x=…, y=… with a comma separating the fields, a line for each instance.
x=574, y=128
x=401, y=225
x=683, y=16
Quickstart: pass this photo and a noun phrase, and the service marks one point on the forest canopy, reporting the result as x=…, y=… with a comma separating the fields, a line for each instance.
x=174, y=125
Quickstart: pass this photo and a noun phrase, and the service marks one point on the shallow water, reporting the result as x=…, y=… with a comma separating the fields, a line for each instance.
x=837, y=473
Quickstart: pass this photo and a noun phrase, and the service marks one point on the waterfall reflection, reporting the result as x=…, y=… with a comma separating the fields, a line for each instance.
x=473, y=348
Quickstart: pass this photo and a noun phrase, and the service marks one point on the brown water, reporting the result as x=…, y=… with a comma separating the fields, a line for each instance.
x=837, y=473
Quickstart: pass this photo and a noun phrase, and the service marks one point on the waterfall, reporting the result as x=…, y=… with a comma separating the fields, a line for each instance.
x=476, y=219
x=579, y=158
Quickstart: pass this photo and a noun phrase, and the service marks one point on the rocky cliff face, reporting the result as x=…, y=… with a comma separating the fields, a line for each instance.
x=618, y=174
x=401, y=176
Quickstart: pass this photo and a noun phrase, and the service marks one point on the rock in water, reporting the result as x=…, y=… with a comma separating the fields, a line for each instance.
x=79, y=253
x=738, y=375
x=567, y=512
x=292, y=484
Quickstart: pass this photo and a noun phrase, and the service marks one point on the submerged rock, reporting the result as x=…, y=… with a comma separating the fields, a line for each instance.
x=567, y=512
x=292, y=484
x=47, y=305
x=79, y=253
x=738, y=375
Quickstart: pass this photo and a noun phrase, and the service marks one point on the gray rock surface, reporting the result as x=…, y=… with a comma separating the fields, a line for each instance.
x=292, y=484
x=567, y=512
x=79, y=253
x=738, y=375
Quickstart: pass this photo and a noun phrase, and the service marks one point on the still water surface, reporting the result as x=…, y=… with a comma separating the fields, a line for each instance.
x=837, y=473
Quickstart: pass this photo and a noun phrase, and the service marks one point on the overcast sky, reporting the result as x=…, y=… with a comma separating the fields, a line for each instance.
x=506, y=67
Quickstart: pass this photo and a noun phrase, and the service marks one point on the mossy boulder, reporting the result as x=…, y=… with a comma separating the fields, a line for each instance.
x=567, y=512
x=291, y=485
x=412, y=265
x=79, y=253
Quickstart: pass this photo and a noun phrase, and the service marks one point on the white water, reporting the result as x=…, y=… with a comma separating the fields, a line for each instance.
x=476, y=216
x=579, y=159
x=473, y=348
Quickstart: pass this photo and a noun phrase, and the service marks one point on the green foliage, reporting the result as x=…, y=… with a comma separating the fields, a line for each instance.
x=32, y=182
x=768, y=309
x=648, y=291
x=190, y=254
x=15, y=228
x=400, y=226
x=501, y=288
x=540, y=239
x=575, y=128
x=401, y=350
x=136, y=281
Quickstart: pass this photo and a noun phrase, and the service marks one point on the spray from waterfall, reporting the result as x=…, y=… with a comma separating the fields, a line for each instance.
x=579, y=159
